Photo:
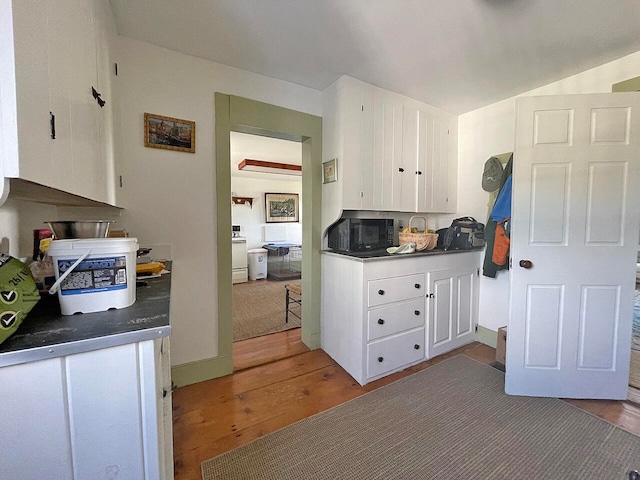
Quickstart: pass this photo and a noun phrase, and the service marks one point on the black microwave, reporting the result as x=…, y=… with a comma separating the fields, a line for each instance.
x=360, y=234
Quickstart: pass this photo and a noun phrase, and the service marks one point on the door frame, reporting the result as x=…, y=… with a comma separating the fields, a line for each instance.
x=238, y=114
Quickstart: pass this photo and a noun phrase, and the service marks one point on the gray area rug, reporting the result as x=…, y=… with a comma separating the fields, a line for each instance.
x=259, y=309
x=450, y=421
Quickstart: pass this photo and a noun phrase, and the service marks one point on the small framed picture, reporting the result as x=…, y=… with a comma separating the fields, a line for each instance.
x=169, y=133
x=281, y=207
x=329, y=171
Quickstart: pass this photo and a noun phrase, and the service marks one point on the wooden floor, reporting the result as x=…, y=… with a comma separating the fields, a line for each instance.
x=279, y=381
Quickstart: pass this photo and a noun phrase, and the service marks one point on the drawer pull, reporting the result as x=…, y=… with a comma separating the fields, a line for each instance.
x=380, y=321
x=417, y=312
x=417, y=285
x=401, y=169
x=380, y=292
x=380, y=359
x=416, y=346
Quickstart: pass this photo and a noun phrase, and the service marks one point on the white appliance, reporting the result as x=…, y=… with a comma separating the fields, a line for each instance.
x=239, y=260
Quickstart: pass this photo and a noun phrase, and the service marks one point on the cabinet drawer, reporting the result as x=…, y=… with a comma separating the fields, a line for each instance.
x=395, y=352
x=395, y=318
x=387, y=290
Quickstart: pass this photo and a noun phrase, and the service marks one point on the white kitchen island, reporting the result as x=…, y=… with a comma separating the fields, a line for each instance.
x=89, y=395
x=384, y=314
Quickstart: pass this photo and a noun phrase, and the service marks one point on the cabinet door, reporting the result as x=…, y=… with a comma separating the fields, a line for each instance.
x=451, y=309
x=87, y=178
x=32, y=159
x=382, y=151
x=433, y=162
x=406, y=175
x=105, y=412
x=35, y=431
x=352, y=102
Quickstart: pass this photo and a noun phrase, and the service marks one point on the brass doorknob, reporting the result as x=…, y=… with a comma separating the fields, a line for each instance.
x=525, y=263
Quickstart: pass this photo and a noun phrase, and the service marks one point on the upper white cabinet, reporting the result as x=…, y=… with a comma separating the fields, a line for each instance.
x=393, y=153
x=54, y=132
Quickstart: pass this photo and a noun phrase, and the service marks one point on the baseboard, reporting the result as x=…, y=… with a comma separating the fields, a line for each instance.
x=633, y=395
x=487, y=336
x=194, y=372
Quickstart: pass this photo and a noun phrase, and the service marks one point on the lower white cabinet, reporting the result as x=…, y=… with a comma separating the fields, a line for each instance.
x=385, y=315
x=98, y=414
x=452, y=305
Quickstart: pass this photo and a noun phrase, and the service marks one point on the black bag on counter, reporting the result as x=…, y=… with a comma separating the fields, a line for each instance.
x=464, y=233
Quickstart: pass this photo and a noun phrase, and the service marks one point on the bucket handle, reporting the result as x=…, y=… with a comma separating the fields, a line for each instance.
x=54, y=287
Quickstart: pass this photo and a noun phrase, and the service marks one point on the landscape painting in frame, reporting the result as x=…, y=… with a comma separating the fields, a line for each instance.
x=169, y=133
x=281, y=207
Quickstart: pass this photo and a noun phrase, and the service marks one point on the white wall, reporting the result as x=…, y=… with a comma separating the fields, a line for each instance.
x=252, y=219
x=491, y=130
x=170, y=197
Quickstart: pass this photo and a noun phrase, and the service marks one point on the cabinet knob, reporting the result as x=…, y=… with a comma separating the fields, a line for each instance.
x=417, y=312
x=380, y=359
x=380, y=292
x=416, y=346
x=380, y=321
x=418, y=172
x=417, y=285
x=401, y=169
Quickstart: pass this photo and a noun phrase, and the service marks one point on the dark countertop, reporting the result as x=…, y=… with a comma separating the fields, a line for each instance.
x=45, y=333
x=384, y=255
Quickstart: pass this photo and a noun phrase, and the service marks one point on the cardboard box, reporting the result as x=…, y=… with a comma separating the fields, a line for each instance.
x=501, y=347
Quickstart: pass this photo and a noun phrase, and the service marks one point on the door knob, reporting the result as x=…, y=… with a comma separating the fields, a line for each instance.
x=525, y=263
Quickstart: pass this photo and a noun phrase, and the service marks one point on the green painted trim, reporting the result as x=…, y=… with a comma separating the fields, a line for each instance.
x=631, y=85
x=237, y=114
x=223, y=226
x=487, y=336
x=202, y=370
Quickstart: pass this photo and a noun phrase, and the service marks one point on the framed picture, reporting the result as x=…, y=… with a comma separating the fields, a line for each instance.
x=169, y=133
x=329, y=171
x=281, y=207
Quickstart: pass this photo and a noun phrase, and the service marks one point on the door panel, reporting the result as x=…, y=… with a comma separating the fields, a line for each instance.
x=549, y=202
x=597, y=339
x=605, y=203
x=576, y=205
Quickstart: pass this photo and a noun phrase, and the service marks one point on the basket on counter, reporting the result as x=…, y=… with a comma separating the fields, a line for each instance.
x=423, y=240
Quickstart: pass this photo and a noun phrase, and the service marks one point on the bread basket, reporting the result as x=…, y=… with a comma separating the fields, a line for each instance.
x=423, y=240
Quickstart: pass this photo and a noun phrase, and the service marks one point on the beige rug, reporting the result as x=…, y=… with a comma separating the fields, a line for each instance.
x=259, y=309
x=450, y=421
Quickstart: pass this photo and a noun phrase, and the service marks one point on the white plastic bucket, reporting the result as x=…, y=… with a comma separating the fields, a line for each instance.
x=98, y=273
x=257, y=263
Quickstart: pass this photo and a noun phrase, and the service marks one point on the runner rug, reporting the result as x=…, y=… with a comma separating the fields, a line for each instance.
x=450, y=421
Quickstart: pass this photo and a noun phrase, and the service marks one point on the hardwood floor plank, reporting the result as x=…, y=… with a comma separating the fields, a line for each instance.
x=218, y=415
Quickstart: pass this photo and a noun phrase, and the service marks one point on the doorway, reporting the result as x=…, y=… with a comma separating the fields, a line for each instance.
x=267, y=252
x=236, y=114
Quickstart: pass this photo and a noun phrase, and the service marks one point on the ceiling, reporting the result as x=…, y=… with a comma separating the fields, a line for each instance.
x=254, y=147
x=458, y=55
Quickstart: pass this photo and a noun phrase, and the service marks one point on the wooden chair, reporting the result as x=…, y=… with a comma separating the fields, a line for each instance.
x=294, y=288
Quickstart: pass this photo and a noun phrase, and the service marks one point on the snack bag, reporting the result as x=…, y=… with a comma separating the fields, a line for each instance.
x=18, y=294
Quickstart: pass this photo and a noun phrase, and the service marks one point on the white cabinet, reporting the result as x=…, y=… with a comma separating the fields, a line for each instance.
x=53, y=56
x=239, y=260
x=394, y=153
x=385, y=315
x=452, y=299
x=103, y=415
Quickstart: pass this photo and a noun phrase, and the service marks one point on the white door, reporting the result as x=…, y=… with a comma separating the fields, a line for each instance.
x=576, y=201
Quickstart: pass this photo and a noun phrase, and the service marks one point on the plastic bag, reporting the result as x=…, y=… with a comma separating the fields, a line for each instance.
x=18, y=294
